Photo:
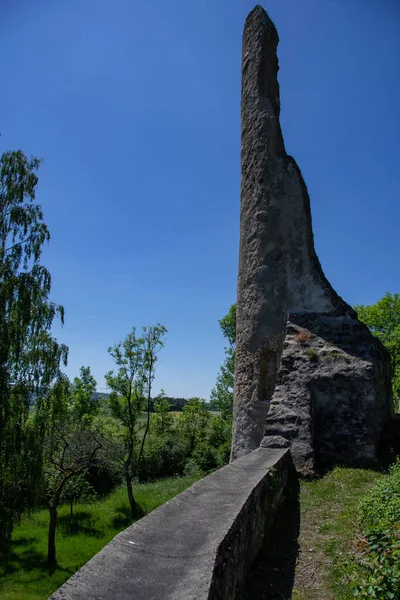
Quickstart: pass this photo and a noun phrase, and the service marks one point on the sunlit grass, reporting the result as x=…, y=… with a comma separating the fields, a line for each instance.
x=329, y=506
x=26, y=575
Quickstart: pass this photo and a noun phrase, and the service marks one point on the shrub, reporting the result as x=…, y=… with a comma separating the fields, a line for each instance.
x=312, y=354
x=377, y=571
x=104, y=476
x=163, y=457
x=382, y=504
x=206, y=457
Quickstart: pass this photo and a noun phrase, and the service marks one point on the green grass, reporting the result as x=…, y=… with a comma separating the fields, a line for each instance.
x=329, y=526
x=26, y=576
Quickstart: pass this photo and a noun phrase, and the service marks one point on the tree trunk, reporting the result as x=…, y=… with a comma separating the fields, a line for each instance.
x=51, y=547
x=132, y=501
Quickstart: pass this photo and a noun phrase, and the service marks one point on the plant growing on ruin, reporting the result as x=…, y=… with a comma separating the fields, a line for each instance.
x=312, y=354
x=303, y=336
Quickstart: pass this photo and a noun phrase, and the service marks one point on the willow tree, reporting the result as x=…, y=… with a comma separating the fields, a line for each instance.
x=30, y=357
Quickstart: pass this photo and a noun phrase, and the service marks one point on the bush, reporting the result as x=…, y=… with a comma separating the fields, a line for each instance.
x=104, y=477
x=163, y=457
x=377, y=572
x=382, y=504
x=206, y=457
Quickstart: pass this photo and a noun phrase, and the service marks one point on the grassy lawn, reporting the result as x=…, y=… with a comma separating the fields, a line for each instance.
x=328, y=533
x=26, y=576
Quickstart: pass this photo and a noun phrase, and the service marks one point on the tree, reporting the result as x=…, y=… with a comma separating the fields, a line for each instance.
x=76, y=489
x=83, y=399
x=29, y=356
x=131, y=387
x=222, y=393
x=163, y=420
x=70, y=445
x=383, y=320
x=194, y=421
x=153, y=338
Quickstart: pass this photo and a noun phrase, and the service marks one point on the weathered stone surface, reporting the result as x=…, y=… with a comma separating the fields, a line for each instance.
x=197, y=546
x=280, y=275
x=327, y=404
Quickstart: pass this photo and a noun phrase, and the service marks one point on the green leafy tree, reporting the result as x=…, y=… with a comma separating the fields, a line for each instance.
x=126, y=400
x=131, y=386
x=222, y=393
x=77, y=489
x=29, y=356
x=163, y=420
x=82, y=395
x=70, y=445
x=383, y=320
x=153, y=341
x=194, y=421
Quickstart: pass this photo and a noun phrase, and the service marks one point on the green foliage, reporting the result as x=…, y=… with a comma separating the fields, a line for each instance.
x=69, y=444
x=131, y=386
x=163, y=420
x=381, y=505
x=29, y=356
x=82, y=391
x=377, y=572
x=164, y=456
x=77, y=489
x=222, y=394
x=206, y=457
x=228, y=326
x=194, y=421
x=383, y=319
x=312, y=354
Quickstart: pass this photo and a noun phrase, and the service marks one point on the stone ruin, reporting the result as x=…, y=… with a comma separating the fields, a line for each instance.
x=309, y=375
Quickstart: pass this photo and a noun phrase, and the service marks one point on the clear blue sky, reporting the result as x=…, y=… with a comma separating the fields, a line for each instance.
x=134, y=107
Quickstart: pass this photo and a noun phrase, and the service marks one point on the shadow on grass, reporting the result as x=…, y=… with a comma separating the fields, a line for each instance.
x=123, y=517
x=81, y=523
x=23, y=556
x=272, y=574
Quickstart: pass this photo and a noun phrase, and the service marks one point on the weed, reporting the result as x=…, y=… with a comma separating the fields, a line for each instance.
x=312, y=354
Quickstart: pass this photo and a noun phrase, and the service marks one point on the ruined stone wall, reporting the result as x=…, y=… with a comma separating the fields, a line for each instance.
x=199, y=545
x=281, y=280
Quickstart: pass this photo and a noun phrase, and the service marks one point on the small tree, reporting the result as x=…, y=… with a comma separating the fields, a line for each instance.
x=163, y=420
x=70, y=446
x=77, y=489
x=153, y=342
x=83, y=400
x=131, y=387
x=194, y=421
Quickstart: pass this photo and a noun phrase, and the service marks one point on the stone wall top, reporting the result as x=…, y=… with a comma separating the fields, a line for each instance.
x=199, y=545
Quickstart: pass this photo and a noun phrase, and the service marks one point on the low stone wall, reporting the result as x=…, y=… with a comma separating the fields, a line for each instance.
x=199, y=545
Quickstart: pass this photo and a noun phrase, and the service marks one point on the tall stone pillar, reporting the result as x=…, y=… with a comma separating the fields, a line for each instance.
x=280, y=277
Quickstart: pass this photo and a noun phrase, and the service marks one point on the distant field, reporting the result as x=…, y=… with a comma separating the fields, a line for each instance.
x=26, y=576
